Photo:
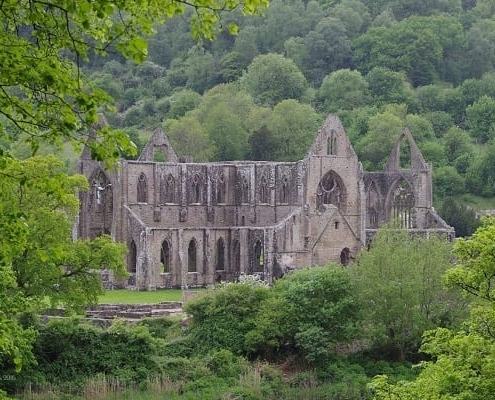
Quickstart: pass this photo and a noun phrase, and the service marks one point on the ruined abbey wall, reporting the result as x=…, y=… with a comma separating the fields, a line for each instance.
x=192, y=224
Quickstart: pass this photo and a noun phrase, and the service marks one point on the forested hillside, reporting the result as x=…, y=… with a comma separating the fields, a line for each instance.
x=380, y=65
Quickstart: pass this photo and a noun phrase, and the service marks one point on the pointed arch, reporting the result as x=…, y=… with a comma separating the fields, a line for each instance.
x=220, y=255
x=402, y=201
x=142, y=188
x=192, y=255
x=264, y=190
x=332, y=143
x=258, y=263
x=245, y=191
x=284, y=191
x=331, y=190
x=132, y=258
x=373, y=206
x=236, y=257
x=196, y=189
x=167, y=190
x=165, y=257
x=221, y=189
x=100, y=205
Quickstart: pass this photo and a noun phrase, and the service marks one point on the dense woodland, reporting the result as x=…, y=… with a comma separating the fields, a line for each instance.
x=325, y=332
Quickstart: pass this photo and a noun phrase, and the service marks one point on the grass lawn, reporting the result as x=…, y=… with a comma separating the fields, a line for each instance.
x=140, y=297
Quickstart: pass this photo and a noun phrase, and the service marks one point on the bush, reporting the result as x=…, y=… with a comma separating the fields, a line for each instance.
x=70, y=352
x=308, y=313
x=221, y=318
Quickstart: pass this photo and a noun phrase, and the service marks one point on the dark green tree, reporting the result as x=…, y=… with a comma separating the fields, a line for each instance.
x=461, y=217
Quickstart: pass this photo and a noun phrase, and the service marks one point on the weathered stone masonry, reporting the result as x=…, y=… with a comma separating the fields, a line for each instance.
x=191, y=224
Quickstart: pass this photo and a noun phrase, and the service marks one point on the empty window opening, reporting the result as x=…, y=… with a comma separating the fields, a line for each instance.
x=132, y=260
x=165, y=257
x=220, y=255
x=258, y=257
x=192, y=256
x=142, y=189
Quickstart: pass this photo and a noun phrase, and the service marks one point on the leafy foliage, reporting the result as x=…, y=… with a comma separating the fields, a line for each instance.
x=308, y=313
x=44, y=91
x=221, y=318
x=399, y=281
x=463, y=361
x=39, y=263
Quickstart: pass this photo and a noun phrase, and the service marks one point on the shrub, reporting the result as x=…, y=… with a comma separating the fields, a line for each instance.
x=222, y=317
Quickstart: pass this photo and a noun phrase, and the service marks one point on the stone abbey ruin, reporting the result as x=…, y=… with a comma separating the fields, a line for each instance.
x=192, y=224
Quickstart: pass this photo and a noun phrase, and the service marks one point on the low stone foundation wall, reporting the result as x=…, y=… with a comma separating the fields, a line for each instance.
x=134, y=311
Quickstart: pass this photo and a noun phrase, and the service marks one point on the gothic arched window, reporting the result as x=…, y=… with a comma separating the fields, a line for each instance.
x=402, y=212
x=332, y=143
x=192, y=256
x=168, y=190
x=220, y=264
x=132, y=260
x=331, y=190
x=165, y=257
x=236, y=257
x=196, y=189
x=142, y=188
x=221, y=189
x=258, y=257
x=245, y=191
x=373, y=206
x=284, y=191
x=263, y=190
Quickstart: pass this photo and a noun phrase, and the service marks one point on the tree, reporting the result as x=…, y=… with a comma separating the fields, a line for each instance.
x=226, y=132
x=343, y=89
x=387, y=86
x=461, y=217
x=40, y=265
x=399, y=281
x=374, y=148
x=481, y=119
x=271, y=78
x=262, y=144
x=456, y=143
x=293, y=126
x=463, y=361
x=480, y=175
x=221, y=318
x=44, y=92
x=189, y=138
x=308, y=313
x=325, y=49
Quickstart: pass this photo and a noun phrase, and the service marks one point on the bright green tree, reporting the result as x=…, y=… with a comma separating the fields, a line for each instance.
x=399, y=281
x=383, y=131
x=221, y=318
x=226, y=132
x=40, y=265
x=189, y=138
x=463, y=361
x=481, y=119
x=308, y=313
x=271, y=78
x=343, y=90
x=294, y=127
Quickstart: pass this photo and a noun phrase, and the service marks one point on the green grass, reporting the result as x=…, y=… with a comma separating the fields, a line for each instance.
x=140, y=297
